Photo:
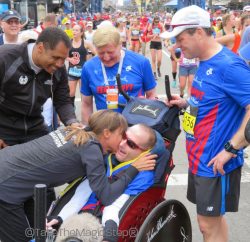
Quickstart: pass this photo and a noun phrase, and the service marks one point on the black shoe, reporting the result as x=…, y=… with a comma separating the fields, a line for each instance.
x=155, y=76
x=159, y=72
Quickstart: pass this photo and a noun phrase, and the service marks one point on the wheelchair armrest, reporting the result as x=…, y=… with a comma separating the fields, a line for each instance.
x=136, y=209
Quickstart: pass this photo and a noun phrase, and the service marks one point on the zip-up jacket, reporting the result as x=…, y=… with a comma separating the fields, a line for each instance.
x=52, y=161
x=22, y=94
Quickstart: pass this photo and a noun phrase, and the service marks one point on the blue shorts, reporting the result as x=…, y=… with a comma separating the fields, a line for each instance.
x=187, y=70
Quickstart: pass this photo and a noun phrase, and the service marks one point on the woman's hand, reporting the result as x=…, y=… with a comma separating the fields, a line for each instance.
x=51, y=223
x=145, y=163
x=73, y=60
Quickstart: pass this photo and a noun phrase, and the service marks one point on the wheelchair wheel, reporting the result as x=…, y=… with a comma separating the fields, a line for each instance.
x=167, y=222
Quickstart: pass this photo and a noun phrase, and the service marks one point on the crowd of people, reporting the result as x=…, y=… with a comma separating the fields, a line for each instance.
x=39, y=72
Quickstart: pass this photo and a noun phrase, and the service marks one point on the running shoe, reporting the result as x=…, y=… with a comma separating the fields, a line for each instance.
x=174, y=84
x=159, y=72
x=155, y=76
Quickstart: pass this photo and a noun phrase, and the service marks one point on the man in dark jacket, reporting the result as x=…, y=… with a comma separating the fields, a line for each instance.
x=29, y=75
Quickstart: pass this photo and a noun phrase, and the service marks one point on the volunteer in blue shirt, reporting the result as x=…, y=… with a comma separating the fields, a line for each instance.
x=98, y=78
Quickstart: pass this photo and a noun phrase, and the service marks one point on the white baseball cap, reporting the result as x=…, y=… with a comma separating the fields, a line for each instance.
x=246, y=8
x=105, y=23
x=89, y=24
x=186, y=18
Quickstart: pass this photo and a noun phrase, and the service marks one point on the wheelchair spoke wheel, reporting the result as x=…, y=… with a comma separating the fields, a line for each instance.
x=167, y=222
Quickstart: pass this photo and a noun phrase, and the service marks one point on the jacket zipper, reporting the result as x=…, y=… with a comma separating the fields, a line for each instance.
x=32, y=104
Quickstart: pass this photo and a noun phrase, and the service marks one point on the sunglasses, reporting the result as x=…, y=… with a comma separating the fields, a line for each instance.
x=131, y=144
x=12, y=21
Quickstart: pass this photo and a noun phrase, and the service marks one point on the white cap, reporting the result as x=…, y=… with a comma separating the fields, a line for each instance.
x=246, y=8
x=186, y=18
x=105, y=23
x=89, y=23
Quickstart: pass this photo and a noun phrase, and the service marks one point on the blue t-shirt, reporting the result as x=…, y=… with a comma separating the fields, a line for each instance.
x=136, y=77
x=140, y=183
x=221, y=91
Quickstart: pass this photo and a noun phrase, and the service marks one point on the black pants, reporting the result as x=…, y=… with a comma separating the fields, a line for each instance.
x=29, y=205
x=17, y=221
x=14, y=225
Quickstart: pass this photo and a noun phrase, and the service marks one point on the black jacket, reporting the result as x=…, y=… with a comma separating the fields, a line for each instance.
x=23, y=93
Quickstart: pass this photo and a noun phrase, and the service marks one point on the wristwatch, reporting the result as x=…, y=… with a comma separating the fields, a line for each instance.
x=229, y=148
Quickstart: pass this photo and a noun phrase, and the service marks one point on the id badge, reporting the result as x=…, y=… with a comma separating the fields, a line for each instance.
x=112, y=98
x=189, y=119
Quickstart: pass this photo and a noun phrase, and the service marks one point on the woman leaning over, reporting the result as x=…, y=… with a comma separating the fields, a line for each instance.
x=57, y=158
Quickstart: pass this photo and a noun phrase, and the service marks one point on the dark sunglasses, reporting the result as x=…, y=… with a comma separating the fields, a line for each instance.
x=131, y=144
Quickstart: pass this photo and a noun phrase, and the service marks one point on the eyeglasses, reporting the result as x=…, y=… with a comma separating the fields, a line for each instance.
x=12, y=21
x=131, y=143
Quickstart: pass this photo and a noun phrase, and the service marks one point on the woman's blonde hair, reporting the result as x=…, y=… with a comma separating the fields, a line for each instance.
x=106, y=35
x=98, y=121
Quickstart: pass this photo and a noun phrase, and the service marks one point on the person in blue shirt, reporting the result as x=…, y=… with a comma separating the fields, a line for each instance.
x=98, y=77
x=214, y=121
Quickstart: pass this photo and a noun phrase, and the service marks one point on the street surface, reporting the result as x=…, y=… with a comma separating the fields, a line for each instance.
x=239, y=223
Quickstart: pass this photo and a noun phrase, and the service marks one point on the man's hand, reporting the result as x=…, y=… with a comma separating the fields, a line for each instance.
x=219, y=161
x=178, y=101
x=145, y=162
x=2, y=144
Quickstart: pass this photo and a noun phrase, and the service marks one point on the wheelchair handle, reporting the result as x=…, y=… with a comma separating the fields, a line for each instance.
x=119, y=85
x=167, y=88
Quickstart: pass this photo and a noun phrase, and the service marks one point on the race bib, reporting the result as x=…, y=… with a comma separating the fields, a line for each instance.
x=112, y=98
x=135, y=32
x=188, y=61
x=75, y=71
x=189, y=119
x=156, y=31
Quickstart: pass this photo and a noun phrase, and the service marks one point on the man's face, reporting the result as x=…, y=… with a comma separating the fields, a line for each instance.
x=51, y=60
x=131, y=146
x=188, y=44
x=11, y=26
x=109, y=54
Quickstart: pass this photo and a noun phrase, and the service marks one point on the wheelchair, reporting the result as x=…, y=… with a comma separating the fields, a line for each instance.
x=148, y=216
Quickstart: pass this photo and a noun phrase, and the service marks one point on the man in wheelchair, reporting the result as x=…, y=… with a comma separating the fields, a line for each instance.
x=138, y=140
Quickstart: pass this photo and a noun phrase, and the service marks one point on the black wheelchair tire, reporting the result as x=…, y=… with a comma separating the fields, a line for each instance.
x=167, y=222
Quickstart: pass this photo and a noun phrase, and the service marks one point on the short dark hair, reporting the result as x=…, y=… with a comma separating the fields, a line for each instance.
x=52, y=36
x=208, y=31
